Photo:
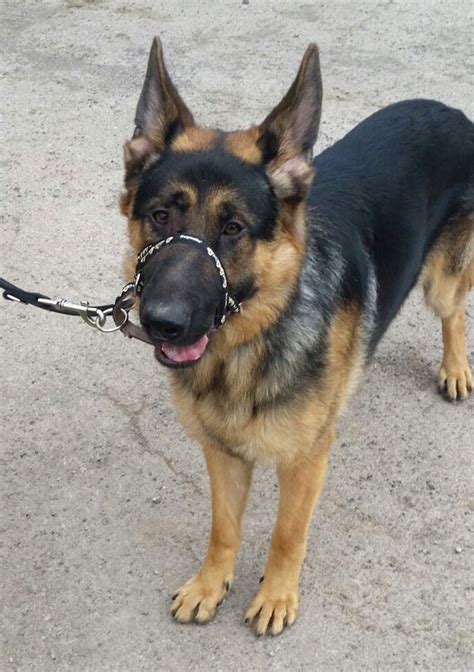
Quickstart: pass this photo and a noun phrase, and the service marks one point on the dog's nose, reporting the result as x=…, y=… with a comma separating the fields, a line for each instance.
x=164, y=322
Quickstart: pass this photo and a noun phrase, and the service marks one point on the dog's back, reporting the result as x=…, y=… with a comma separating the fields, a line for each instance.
x=388, y=190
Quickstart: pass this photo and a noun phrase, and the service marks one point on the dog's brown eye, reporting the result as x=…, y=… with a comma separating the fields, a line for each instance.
x=232, y=229
x=160, y=216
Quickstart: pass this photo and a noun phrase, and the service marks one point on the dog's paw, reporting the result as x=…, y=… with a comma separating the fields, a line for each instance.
x=197, y=600
x=272, y=610
x=455, y=382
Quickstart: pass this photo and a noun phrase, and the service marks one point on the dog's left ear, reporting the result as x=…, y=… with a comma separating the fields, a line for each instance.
x=289, y=132
x=161, y=112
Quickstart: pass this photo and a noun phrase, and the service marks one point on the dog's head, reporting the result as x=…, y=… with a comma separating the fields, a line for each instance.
x=242, y=193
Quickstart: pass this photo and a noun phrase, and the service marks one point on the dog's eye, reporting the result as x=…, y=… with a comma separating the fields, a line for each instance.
x=160, y=216
x=232, y=229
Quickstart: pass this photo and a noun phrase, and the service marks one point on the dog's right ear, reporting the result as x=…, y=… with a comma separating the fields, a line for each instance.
x=161, y=113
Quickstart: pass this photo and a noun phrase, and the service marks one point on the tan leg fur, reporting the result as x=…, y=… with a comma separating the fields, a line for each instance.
x=447, y=278
x=301, y=481
x=455, y=377
x=199, y=597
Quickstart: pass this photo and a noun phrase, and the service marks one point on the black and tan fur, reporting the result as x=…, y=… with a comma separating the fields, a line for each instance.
x=321, y=268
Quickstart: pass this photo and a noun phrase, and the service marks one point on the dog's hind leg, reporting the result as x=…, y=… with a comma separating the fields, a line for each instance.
x=455, y=377
x=199, y=597
x=447, y=277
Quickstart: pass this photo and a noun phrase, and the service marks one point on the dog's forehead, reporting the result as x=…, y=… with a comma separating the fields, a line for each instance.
x=202, y=174
x=243, y=144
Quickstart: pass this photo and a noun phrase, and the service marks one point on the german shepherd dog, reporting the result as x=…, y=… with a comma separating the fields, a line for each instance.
x=320, y=254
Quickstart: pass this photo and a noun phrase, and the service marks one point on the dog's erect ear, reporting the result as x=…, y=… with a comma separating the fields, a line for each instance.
x=290, y=130
x=161, y=112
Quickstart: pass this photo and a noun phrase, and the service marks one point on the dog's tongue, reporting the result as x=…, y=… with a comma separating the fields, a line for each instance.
x=185, y=353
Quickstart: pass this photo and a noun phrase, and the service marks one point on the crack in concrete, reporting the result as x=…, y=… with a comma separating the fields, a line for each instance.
x=133, y=422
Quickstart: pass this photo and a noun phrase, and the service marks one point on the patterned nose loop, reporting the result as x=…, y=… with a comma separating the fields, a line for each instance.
x=228, y=305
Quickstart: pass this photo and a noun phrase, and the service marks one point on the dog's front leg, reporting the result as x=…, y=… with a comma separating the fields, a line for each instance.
x=276, y=603
x=230, y=479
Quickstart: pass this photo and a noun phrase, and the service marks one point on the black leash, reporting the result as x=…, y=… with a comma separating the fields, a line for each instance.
x=97, y=316
x=94, y=316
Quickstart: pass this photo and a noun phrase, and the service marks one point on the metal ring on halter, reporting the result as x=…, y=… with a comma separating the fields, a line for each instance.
x=100, y=319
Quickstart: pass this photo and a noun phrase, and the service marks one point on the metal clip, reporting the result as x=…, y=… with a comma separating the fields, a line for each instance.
x=92, y=315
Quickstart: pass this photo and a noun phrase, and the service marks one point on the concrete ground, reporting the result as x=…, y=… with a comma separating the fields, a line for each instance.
x=105, y=500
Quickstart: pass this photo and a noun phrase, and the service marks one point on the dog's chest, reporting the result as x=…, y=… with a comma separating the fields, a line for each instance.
x=231, y=409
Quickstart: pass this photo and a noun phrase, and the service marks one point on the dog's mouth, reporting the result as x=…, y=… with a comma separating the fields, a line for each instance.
x=181, y=356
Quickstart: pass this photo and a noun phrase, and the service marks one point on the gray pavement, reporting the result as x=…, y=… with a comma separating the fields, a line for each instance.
x=105, y=499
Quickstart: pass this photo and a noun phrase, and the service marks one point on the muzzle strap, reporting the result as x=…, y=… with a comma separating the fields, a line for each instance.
x=228, y=306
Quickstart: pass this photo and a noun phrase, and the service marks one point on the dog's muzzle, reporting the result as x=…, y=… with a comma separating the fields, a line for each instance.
x=228, y=304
